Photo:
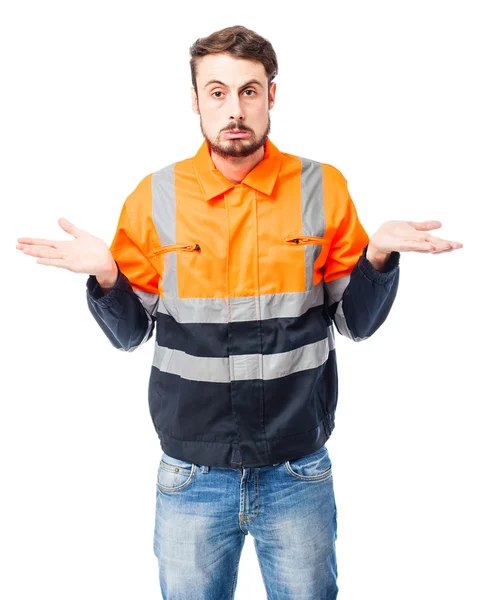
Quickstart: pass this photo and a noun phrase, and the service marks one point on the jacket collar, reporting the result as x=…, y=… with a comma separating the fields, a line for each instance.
x=262, y=178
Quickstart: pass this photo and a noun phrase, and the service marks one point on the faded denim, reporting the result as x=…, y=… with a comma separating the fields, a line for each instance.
x=203, y=514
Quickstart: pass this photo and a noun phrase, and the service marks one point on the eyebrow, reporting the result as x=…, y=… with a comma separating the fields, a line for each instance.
x=248, y=83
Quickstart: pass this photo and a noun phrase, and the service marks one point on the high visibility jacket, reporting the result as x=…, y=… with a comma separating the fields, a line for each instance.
x=244, y=282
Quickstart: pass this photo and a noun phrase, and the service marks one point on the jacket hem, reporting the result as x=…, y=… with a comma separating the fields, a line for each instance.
x=222, y=454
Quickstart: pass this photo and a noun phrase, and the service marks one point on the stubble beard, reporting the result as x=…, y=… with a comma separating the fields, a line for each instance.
x=240, y=147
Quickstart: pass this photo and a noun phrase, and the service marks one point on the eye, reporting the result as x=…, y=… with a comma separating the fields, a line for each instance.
x=217, y=92
x=250, y=90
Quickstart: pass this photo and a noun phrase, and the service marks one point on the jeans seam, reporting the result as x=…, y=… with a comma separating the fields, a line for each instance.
x=179, y=488
x=321, y=477
x=234, y=577
x=261, y=570
x=256, y=499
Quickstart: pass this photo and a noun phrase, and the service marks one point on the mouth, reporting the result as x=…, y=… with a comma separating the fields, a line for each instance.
x=236, y=133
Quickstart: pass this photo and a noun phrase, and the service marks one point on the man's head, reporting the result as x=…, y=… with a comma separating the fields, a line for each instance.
x=232, y=72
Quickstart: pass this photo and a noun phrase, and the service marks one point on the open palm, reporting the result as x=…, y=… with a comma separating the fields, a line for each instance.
x=411, y=236
x=86, y=253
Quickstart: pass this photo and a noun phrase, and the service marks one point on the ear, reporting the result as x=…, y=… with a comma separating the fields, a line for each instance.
x=194, y=101
x=272, y=95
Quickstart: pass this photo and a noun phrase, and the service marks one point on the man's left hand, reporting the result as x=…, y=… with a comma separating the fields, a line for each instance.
x=406, y=236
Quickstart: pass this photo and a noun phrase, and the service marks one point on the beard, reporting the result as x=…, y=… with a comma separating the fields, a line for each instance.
x=240, y=147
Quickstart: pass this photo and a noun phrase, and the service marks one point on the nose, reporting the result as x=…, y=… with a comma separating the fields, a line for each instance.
x=235, y=108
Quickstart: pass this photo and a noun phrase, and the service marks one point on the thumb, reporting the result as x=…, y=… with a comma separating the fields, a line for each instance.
x=69, y=227
x=425, y=225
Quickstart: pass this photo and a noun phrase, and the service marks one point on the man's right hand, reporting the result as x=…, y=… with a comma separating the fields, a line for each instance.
x=84, y=254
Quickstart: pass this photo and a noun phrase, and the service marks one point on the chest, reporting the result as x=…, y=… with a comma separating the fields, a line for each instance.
x=242, y=243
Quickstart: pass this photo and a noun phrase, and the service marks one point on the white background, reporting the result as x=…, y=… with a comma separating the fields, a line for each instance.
x=96, y=95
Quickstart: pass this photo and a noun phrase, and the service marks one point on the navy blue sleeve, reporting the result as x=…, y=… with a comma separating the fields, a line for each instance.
x=366, y=297
x=120, y=313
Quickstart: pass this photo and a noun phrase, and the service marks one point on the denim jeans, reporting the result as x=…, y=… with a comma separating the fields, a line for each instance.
x=204, y=513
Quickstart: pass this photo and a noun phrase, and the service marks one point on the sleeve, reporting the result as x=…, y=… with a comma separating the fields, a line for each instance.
x=127, y=313
x=358, y=296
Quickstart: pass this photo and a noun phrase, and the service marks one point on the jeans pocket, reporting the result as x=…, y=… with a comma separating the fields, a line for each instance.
x=312, y=467
x=174, y=474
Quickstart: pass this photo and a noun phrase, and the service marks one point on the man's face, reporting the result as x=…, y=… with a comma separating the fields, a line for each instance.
x=233, y=104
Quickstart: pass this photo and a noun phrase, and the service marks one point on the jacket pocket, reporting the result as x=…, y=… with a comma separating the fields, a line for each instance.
x=307, y=239
x=174, y=247
x=315, y=249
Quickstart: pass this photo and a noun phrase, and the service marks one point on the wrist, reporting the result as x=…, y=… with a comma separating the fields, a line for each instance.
x=377, y=258
x=107, y=279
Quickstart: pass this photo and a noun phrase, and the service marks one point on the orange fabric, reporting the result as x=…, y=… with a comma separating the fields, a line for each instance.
x=282, y=266
x=243, y=230
x=340, y=215
x=135, y=237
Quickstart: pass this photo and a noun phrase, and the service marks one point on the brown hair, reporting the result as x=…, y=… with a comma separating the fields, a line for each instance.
x=240, y=43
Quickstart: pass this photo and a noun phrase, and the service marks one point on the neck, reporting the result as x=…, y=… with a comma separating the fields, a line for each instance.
x=236, y=168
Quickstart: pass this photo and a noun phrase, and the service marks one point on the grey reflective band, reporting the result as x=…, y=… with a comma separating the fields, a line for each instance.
x=243, y=366
x=312, y=202
x=335, y=289
x=164, y=217
x=224, y=310
x=341, y=324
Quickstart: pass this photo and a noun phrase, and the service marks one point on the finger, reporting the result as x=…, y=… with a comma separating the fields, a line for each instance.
x=28, y=246
x=442, y=244
x=415, y=246
x=42, y=252
x=37, y=242
x=446, y=250
x=456, y=245
x=425, y=225
x=69, y=227
x=438, y=243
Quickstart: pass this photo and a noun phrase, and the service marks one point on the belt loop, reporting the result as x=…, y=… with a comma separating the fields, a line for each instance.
x=205, y=468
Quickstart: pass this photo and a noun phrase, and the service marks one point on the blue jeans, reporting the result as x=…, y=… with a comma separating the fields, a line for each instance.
x=204, y=513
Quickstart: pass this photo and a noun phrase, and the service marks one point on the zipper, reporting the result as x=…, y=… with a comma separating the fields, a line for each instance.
x=305, y=240
x=171, y=247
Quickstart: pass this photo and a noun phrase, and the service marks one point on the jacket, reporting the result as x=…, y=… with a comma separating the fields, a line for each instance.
x=245, y=284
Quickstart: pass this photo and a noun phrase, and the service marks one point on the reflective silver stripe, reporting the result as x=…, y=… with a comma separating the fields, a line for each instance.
x=149, y=300
x=247, y=366
x=244, y=308
x=340, y=320
x=243, y=366
x=290, y=304
x=335, y=289
x=215, y=310
x=150, y=304
x=164, y=217
x=312, y=201
x=309, y=356
x=194, y=310
x=196, y=368
x=145, y=337
x=334, y=293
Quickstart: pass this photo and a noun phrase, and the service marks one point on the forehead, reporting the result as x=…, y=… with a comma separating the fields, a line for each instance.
x=228, y=69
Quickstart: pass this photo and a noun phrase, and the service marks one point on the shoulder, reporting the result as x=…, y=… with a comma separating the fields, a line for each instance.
x=167, y=174
x=333, y=172
x=311, y=165
x=328, y=170
x=329, y=174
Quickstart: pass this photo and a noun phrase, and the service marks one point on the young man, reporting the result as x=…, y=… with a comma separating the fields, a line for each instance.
x=244, y=256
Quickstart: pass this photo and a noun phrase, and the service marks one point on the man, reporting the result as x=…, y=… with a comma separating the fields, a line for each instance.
x=243, y=256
